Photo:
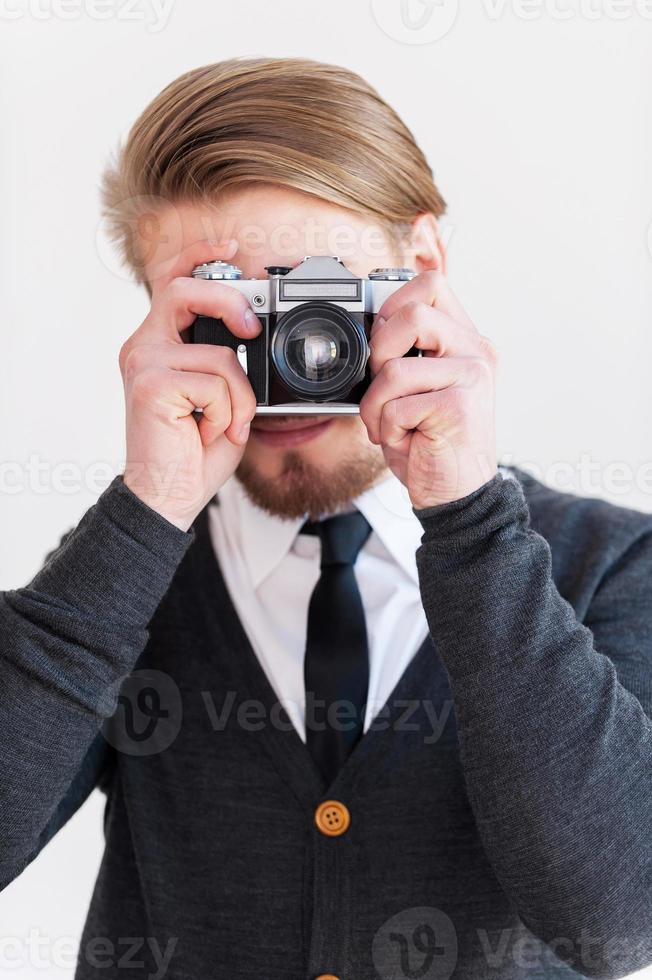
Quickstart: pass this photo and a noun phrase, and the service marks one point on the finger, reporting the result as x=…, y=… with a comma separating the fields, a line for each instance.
x=183, y=391
x=405, y=376
x=401, y=416
x=217, y=415
x=208, y=392
x=212, y=394
x=184, y=299
x=182, y=264
x=422, y=326
x=431, y=288
x=222, y=361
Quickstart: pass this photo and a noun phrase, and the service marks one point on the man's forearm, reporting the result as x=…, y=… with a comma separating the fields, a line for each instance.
x=557, y=753
x=66, y=641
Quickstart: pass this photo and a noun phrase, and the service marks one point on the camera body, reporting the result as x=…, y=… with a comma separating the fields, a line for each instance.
x=311, y=356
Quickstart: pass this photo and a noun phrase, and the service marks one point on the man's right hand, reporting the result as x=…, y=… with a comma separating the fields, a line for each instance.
x=175, y=464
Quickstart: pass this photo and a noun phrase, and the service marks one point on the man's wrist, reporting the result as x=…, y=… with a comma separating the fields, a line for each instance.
x=443, y=509
x=162, y=503
x=457, y=478
x=461, y=525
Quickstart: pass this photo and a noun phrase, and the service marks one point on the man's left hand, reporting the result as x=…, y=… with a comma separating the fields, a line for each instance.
x=433, y=415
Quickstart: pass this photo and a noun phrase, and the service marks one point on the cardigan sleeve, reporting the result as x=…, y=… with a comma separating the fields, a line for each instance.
x=67, y=640
x=554, y=721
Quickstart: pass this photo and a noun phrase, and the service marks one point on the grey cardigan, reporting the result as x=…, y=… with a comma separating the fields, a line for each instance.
x=501, y=805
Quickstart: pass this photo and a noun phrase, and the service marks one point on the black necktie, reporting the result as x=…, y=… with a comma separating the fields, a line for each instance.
x=336, y=665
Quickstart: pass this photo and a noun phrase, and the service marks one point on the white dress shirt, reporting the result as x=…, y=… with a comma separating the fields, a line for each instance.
x=270, y=571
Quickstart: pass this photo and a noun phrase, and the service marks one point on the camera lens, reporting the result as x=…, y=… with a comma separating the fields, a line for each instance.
x=313, y=355
x=319, y=351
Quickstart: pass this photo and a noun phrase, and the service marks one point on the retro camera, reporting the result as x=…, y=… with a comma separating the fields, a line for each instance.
x=311, y=356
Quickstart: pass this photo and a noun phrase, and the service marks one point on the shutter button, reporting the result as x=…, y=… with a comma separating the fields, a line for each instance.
x=333, y=819
x=327, y=976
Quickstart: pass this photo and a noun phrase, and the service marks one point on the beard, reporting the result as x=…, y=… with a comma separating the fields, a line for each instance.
x=306, y=489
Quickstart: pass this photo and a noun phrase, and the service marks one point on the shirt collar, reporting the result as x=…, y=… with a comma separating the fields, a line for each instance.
x=388, y=509
x=264, y=540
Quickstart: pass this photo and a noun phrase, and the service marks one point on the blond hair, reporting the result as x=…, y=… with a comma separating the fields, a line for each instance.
x=292, y=122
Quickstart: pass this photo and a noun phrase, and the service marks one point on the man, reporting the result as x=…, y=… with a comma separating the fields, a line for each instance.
x=391, y=712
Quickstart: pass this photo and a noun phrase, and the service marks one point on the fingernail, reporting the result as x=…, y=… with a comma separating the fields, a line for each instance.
x=244, y=432
x=378, y=322
x=251, y=320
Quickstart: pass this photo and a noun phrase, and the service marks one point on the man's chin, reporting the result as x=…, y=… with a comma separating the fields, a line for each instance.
x=302, y=487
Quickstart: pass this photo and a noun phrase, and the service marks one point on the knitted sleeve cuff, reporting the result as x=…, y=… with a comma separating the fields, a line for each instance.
x=458, y=528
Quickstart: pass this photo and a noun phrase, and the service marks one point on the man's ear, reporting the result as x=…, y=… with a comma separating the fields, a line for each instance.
x=424, y=248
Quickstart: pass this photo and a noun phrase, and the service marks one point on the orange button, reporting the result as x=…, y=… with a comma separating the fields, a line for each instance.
x=333, y=819
x=327, y=976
